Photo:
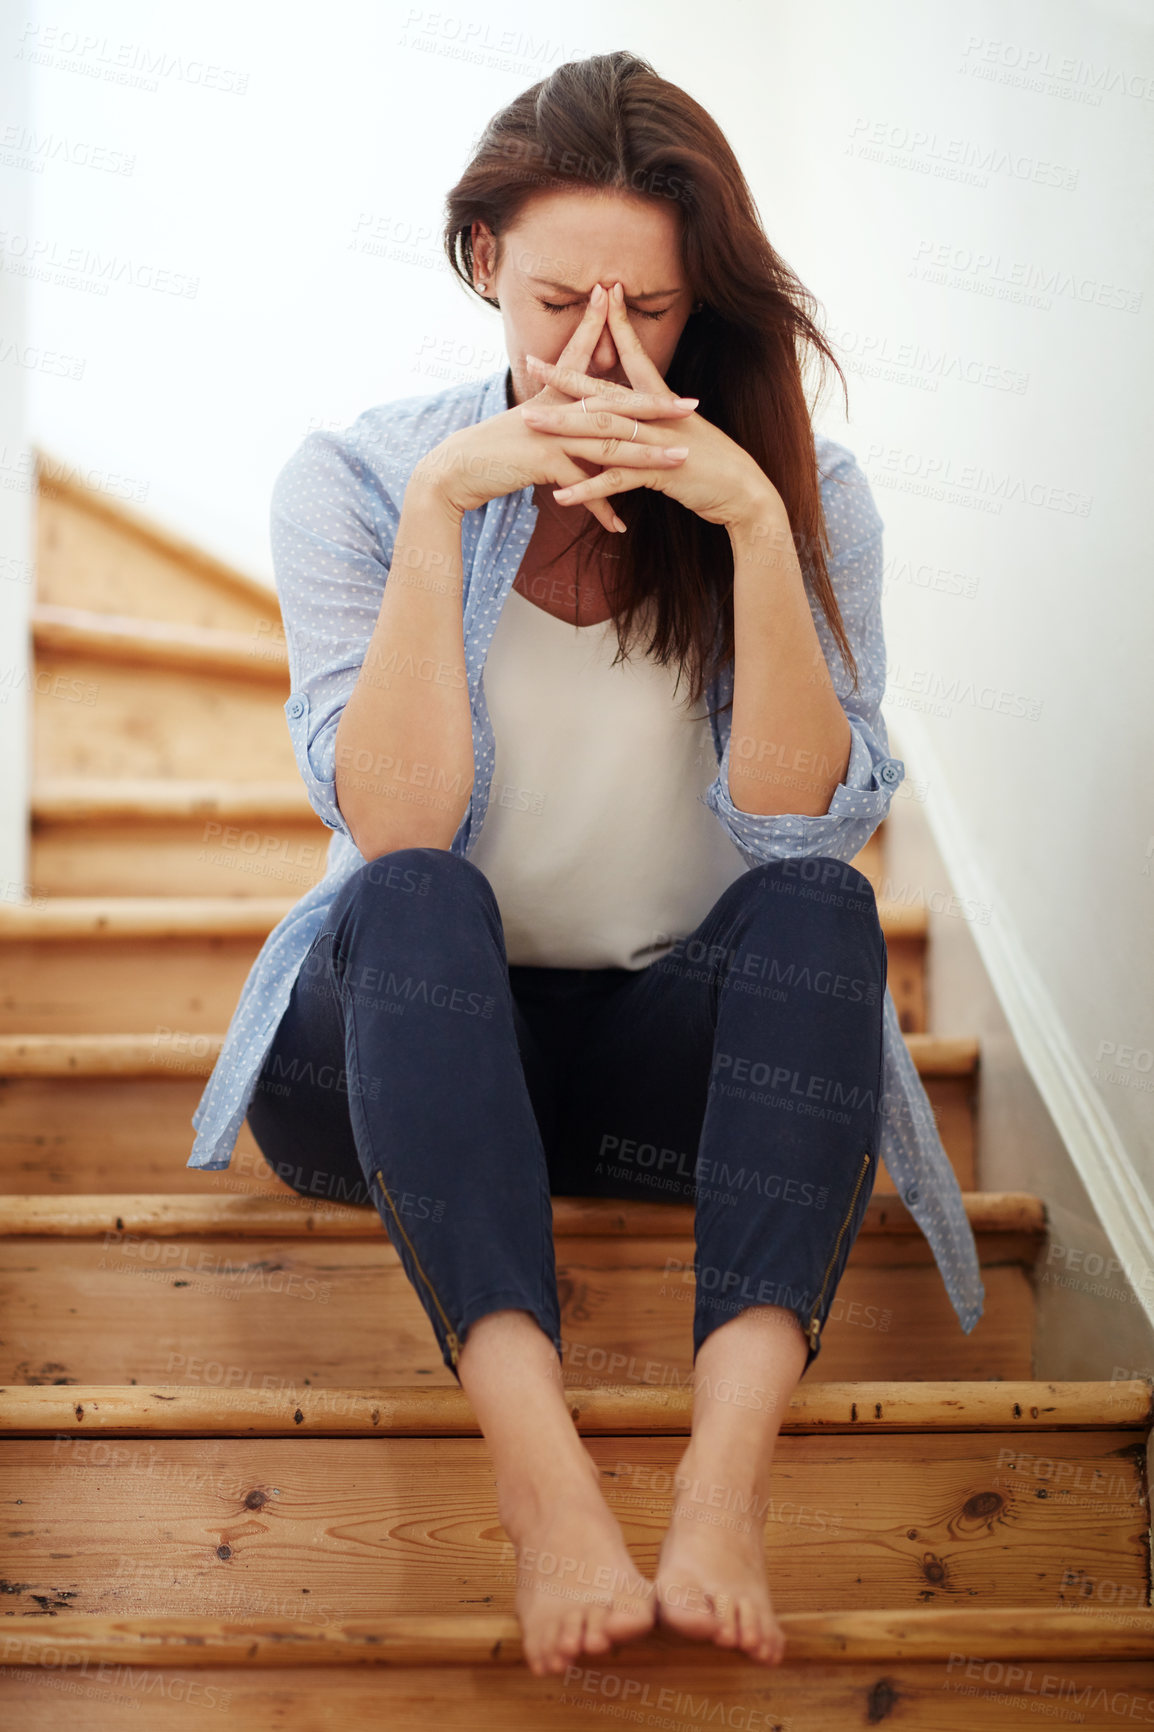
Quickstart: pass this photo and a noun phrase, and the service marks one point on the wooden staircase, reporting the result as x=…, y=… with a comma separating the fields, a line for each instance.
x=238, y=1479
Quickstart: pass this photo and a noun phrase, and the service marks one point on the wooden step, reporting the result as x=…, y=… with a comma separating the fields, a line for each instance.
x=492, y=1641
x=290, y=1311
x=91, y=801
x=91, y=964
x=123, y=1123
x=1014, y=1214
x=94, y=837
x=125, y=837
x=97, y=552
x=936, y=1669
x=80, y=633
x=139, y=717
x=376, y=1526
x=826, y=1409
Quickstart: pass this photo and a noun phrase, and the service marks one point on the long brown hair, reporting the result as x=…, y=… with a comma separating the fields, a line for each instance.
x=609, y=122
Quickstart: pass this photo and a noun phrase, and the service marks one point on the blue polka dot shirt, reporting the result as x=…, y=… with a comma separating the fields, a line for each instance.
x=335, y=512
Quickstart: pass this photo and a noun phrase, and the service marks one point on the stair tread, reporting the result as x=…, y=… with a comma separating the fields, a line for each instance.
x=929, y=1634
x=107, y=916
x=71, y=799
x=61, y=628
x=88, y=1054
x=163, y=1214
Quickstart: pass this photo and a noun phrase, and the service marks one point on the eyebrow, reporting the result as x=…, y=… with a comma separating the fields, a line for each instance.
x=567, y=289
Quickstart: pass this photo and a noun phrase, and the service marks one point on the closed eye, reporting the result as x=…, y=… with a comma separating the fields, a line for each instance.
x=563, y=307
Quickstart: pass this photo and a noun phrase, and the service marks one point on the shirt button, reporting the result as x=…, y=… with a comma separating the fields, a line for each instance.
x=295, y=707
x=889, y=772
x=912, y=1194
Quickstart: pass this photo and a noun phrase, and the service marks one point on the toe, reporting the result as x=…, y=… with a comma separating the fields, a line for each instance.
x=569, y=1636
x=597, y=1638
x=725, y=1607
x=751, y=1628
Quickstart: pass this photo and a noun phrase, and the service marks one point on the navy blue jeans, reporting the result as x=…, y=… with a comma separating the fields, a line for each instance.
x=415, y=1069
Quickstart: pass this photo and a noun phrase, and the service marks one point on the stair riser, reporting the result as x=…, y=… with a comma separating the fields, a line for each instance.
x=79, y=985
x=137, y=720
x=953, y=1695
x=146, y=1308
x=380, y=1526
x=99, y=1134
x=206, y=857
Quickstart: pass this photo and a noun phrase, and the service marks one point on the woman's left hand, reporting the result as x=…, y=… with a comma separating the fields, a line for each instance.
x=718, y=479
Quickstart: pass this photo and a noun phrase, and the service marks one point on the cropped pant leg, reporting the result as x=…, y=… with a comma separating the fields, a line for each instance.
x=400, y=1073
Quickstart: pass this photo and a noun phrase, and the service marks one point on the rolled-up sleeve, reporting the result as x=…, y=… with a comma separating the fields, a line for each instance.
x=332, y=528
x=862, y=799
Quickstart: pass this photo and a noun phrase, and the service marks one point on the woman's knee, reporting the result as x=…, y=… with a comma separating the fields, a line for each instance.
x=816, y=893
x=414, y=882
x=821, y=909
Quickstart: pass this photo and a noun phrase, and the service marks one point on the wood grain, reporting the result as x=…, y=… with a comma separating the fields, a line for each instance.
x=162, y=1215
x=173, y=1410
x=925, y=1635
x=95, y=551
x=140, y=720
x=378, y=1526
x=946, y=1696
x=342, y=1313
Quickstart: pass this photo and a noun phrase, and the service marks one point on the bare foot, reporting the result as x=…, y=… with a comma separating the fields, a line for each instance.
x=711, y=1580
x=578, y=1589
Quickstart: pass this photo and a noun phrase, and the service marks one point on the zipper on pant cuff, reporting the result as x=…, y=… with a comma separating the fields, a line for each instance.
x=813, y=1329
x=451, y=1339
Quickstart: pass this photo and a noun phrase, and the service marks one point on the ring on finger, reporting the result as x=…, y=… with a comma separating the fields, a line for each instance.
x=633, y=435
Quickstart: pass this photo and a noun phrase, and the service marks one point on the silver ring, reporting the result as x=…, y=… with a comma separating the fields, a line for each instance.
x=584, y=406
x=633, y=435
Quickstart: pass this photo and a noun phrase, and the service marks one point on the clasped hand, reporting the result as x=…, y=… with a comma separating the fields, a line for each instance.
x=672, y=449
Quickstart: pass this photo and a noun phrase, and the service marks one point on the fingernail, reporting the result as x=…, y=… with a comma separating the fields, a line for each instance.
x=598, y=294
x=535, y=361
x=618, y=525
x=687, y=402
x=677, y=450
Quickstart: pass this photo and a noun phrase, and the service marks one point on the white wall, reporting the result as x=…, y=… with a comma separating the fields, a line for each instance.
x=988, y=271
x=236, y=228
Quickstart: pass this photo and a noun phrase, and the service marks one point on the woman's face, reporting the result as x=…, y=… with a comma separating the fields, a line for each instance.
x=560, y=246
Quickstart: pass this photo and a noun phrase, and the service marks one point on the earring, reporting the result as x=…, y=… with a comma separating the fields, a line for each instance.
x=697, y=306
x=481, y=287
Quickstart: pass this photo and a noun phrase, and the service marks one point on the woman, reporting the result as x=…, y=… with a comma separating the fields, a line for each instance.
x=566, y=918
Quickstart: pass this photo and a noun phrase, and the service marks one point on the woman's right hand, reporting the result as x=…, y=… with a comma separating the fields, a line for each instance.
x=502, y=454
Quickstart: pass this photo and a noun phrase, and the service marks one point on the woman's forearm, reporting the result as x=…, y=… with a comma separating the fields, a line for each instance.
x=791, y=741
x=404, y=744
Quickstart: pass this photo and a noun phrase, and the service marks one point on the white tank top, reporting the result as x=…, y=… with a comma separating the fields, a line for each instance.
x=598, y=846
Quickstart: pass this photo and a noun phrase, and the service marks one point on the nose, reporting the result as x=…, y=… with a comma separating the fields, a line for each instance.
x=604, y=359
